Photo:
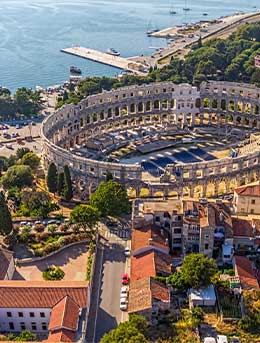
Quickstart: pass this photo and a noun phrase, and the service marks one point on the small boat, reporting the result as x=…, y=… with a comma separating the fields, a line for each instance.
x=113, y=52
x=186, y=8
x=205, y=13
x=150, y=30
x=75, y=70
x=173, y=12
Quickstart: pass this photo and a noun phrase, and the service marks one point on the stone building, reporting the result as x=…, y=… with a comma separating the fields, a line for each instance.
x=247, y=200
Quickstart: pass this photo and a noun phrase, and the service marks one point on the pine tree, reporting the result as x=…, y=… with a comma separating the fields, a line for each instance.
x=52, y=178
x=6, y=224
x=68, y=192
x=61, y=183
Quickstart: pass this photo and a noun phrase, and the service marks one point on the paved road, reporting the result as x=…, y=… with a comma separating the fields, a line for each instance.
x=105, y=313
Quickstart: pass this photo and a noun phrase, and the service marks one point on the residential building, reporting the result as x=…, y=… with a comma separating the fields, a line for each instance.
x=7, y=266
x=245, y=273
x=202, y=297
x=247, y=200
x=43, y=307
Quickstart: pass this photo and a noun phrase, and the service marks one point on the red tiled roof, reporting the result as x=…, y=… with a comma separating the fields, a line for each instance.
x=149, y=236
x=41, y=294
x=150, y=263
x=245, y=273
x=62, y=335
x=5, y=260
x=242, y=228
x=253, y=191
x=142, y=293
x=64, y=314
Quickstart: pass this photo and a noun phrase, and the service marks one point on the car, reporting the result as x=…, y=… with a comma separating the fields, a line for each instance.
x=235, y=340
x=124, y=292
x=37, y=222
x=125, y=279
x=23, y=223
x=52, y=221
x=127, y=252
x=222, y=339
x=123, y=304
x=209, y=340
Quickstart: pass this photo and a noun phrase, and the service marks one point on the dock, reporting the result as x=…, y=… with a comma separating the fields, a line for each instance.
x=105, y=58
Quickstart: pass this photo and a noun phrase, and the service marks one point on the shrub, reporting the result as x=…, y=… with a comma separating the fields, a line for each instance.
x=25, y=234
x=39, y=227
x=53, y=273
x=64, y=227
x=52, y=228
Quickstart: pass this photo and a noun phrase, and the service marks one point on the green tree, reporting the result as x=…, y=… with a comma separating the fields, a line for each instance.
x=25, y=336
x=85, y=216
x=196, y=271
x=21, y=152
x=132, y=331
x=52, y=178
x=31, y=159
x=61, y=183
x=17, y=176
x=68, y=192
x=110, y=198
x=6, y=224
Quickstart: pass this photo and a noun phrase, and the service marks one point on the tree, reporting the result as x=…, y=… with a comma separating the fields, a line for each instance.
x=196, y=271
x=30, y=159
x=6, y=224
x=18, y=175
x=68, y=192
x=52, y=178
x=61, y=183
x=132, y=331
x=21, y=152
x=25, y=336
x=110, y=198
x=85, y=216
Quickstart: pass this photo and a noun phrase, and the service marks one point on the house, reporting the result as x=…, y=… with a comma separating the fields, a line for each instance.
x=244, y=272
x=148, y=297
x=150, y=263
x=7, y=267
x=247, y=200
x=43, y=307
x=244, y=233
x=202, y=297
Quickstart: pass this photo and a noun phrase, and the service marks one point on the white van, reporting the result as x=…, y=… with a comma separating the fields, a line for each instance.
x=222, y=339
x=209, y=340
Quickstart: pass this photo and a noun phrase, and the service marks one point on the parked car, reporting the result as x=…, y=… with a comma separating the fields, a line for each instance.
x=23, y=223
x=222, y=339
x=123, y=304
x=125, y=279
x=235, y=340
x=209, y=340
x=127, y=252
x=124, y=292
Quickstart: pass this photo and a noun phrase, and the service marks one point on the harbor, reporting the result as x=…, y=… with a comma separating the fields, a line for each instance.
x=105, y=58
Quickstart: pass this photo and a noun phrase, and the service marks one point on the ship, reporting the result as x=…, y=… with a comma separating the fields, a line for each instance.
x=75, y=70
x=112, y=51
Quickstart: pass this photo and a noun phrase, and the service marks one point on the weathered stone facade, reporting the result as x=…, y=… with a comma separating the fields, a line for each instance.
x=216, y=103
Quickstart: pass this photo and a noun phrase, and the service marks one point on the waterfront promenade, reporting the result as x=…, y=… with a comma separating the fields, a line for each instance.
x=104, y=58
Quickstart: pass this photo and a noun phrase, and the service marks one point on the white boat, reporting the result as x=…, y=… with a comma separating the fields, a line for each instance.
x=112, y=51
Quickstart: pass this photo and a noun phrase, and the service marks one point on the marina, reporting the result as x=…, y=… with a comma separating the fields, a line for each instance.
x=109, y=59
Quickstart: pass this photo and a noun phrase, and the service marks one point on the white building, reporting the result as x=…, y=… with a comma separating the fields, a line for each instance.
x=247, y=200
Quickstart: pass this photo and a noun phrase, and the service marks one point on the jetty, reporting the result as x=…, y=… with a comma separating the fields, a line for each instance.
x=105, y=58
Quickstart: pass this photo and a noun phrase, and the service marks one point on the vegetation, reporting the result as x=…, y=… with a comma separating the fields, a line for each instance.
x=52, y=178
x=61, y=184
x=53, y=273
x=251, y=322
x=30, y=159
x=91, y=251
x=6, y=224
x=25, y=336
x=110, y=199
x=196, y=271
x=17, y=176
x=132, y=331
x=67, y=192
x=86, y=217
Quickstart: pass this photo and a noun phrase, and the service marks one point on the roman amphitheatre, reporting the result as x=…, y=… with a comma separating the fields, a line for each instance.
x=159, y=139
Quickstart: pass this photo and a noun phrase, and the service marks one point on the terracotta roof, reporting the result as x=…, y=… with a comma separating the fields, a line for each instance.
x=41, y=294
x=142, y=293
x=62, y=335
x=245, y=273
x=64, y=314
x=242, y=228
x=5, y=260
x=150, y=263
x=149, y=235
x=253, y=191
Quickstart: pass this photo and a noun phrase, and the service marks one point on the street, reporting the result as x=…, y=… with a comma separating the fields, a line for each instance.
x=105, y=313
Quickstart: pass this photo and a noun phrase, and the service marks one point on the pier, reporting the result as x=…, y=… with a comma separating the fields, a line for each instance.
x=105, y=58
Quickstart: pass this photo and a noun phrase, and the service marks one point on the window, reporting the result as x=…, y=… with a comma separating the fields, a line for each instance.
x=206, y=246
x=44, y=326
x=206, y=236
x=32, y=314
x=34, y=327
x=9, y=314
x=11, y=326
x=177, y=230
x=253, y=202
x=252, y=211
x=20, y=314
x=22, y=326
x=42, y=314
x=157, y=219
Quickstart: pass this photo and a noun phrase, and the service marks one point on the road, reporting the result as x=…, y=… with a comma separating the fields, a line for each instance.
x=111, y=263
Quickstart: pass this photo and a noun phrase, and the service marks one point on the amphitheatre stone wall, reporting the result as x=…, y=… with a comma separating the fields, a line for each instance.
x=215, y=103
